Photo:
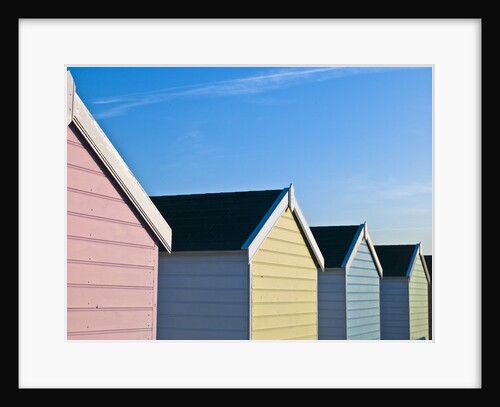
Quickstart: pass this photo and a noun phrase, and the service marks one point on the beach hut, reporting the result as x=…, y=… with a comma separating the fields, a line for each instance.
x=349, y=287
x=113, y=236
x=404, y=292
x=243, y=266
x=428, y=262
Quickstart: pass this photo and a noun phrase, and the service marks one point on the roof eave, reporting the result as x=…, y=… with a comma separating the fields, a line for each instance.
x=307, y=232
x=266, y=224
x=412, y=261
x=285, y=200
x=424, y=263
x=78, y=114
x=371, y=247
x=349, y=257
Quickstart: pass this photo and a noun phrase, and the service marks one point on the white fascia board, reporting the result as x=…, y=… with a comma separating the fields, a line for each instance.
x=307, y=232
x=285, y=200
x=412, y=262
x=349, y=257
x=424, y=264
x=291, y=195
x=93, y=133
x=371, y=247
x=250, y=311
x=70, y=94
x=267, y=223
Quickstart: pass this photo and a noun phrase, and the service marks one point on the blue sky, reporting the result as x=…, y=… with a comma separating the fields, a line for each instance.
x=355, y=142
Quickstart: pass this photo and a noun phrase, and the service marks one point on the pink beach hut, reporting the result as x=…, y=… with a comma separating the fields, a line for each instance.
x=113, y=235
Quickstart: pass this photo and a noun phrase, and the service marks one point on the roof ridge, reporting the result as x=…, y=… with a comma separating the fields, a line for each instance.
x=337, y=226
x=396, y=245
x=218, y=193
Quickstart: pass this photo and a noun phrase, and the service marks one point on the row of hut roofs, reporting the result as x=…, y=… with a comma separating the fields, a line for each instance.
x=240, y=265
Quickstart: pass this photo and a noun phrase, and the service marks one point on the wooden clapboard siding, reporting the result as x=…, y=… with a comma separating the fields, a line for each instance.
x=284, y=285
x=203, y=296
x=363, y=296
x=394, y=308
x=121, y=334
x=419, y=302
x=331, y=304
x=428, y=261
x=112, y=255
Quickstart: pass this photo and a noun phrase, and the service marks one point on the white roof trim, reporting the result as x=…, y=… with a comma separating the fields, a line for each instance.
x=424, y=264
x=361, y=233
x=307, y=232
x=284, y=200
x=358, y=238
x=371, y=246
x=70, y=94
x=291, y=195
x=265, y=226
x=93, y=133
x=412, y=262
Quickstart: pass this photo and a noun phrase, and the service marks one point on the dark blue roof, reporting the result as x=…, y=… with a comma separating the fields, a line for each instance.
x=334, y=242
x=395, y=259
x=214, y=221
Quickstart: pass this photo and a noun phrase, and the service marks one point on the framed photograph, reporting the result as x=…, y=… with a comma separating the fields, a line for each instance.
x=316, y=153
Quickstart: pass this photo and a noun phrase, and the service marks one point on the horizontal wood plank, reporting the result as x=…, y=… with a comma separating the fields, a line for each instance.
x=78, y=156
x=282, y=296
x=283, y=308
x=215, y=333
x=295, y=249
x=131, y=335
x=97, y=320
x=363, y=294
x=275, y=321
x=280, y=270
x=278, y=283
x=90, y=182
x=285, y=333
x=207, y=281
x=93, y=228
x=100, y=207
x=284, y=259
x=209, y=309
x=90, y=296
x=202, y=295
x=205, y=322
x=109, y=253
x=105, y=274
x=288, y=235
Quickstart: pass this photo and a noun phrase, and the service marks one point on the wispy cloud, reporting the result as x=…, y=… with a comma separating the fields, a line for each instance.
x=391, y=228
x=195, y=150
x=393, y=191
x=406, y=190
x=269, y=81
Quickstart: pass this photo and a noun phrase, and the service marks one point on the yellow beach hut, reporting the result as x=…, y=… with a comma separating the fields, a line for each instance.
x=243, y=266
